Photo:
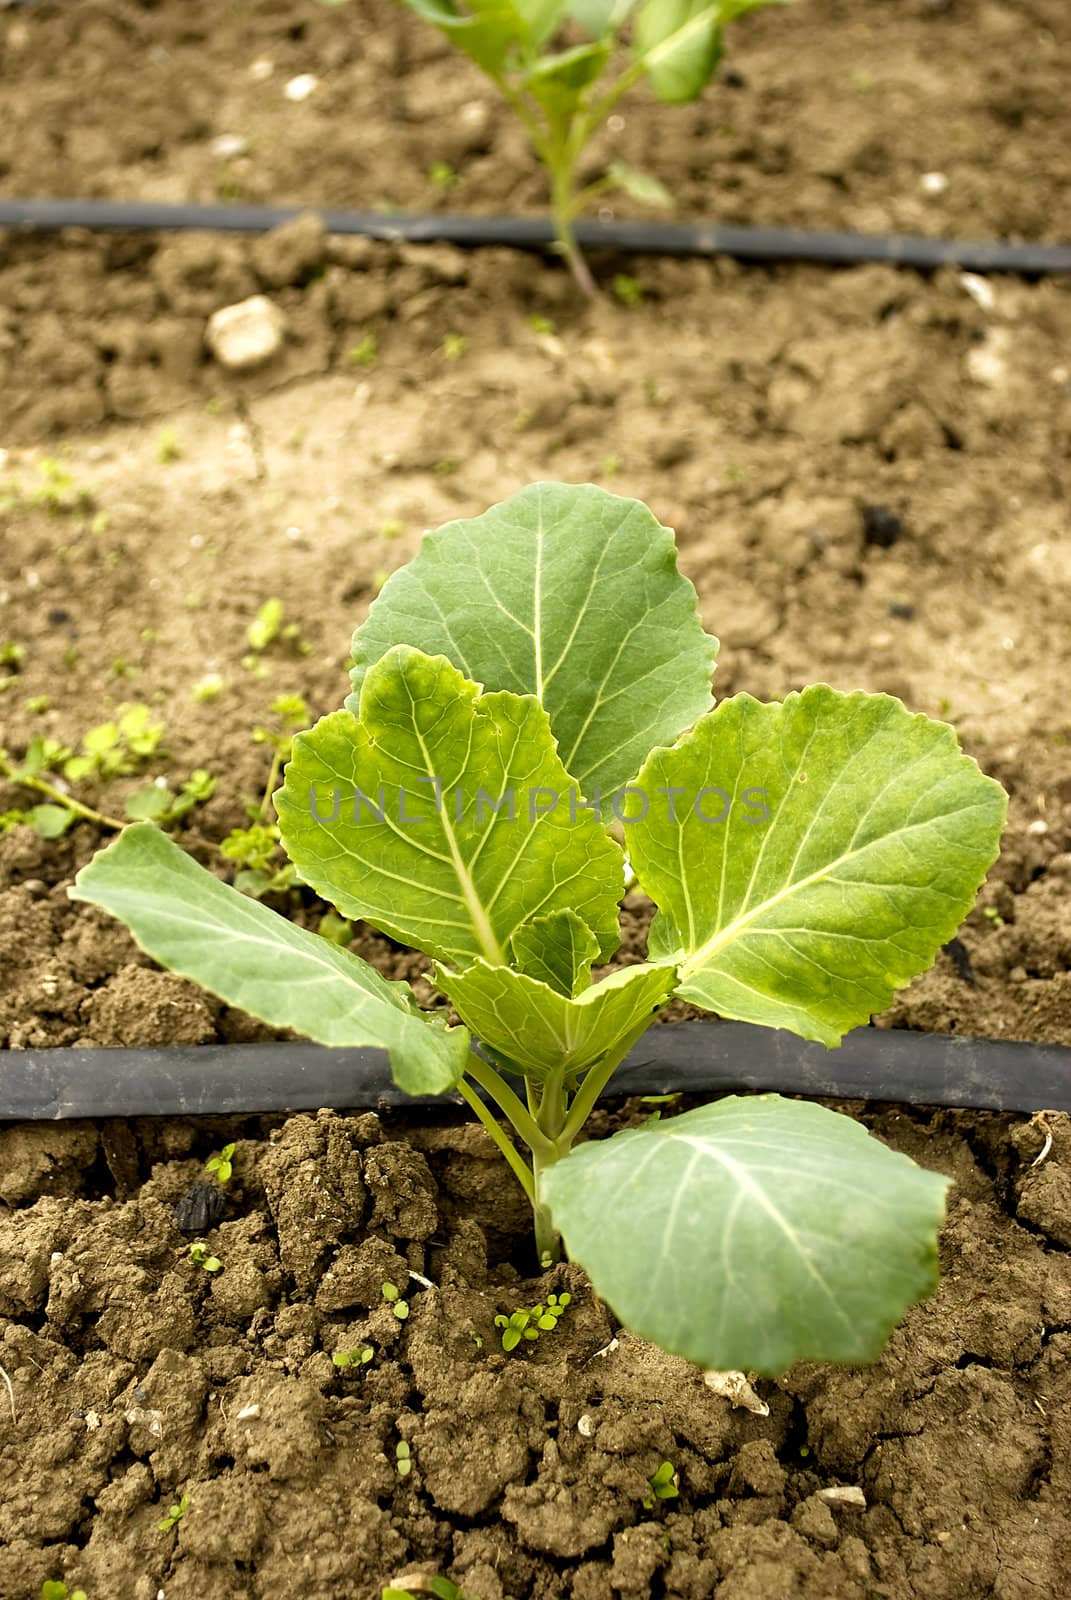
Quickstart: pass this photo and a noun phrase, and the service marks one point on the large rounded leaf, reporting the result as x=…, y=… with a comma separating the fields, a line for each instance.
x=811, y=858
x=752, y=1233
x=568, y=593
x=444, y=816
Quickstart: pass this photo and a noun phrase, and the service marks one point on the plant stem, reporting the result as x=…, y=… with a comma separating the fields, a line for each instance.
x=552, y=1111
x=510, y=1106
x=563, y=206
x=273, y=773
x=591, y=1088
x=67, y=801
x=547, y=1238
x=517, y=1165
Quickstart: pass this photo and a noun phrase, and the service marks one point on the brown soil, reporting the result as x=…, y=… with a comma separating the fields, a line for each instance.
x=761, y=413
x=138, y=1378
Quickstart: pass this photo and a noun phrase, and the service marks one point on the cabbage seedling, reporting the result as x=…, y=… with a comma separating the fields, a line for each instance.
x=534, y=685
x=553, y=62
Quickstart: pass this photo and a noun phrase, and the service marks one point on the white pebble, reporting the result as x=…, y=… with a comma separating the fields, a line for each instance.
x=301, y=87
x=933, y=183
x=847, y=1494
x=247, y=334
x=229, y=145
x=979, y=289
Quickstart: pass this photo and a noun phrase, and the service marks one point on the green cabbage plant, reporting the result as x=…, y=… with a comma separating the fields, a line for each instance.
x=563, y=65
x=530, y=689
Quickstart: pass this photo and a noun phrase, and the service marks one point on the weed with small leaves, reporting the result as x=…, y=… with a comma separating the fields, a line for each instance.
x=200, y=1257
x=528, y=1322
x=175, y=1514
x=222, y=1165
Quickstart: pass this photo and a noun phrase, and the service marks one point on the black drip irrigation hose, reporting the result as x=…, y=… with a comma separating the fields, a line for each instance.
x=523, y=233
x=697, y=1058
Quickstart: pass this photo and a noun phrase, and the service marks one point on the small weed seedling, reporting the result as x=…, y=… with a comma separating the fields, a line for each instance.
x=528, y=1324
x=403, y=1459
x=109, y=750
x=412, y=1585
x=665, y=1485
x=175, y=1514
x=221, y=1166
x=344, y=1360
x=56, y=491
x=56, y=1589
x=563, y=66
x=265, y=625
x=393, y=1298
x=200, y=1257
x=532, y=688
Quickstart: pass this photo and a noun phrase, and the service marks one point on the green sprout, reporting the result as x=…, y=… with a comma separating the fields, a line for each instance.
x=222, y=1165
x=413, y=1584
x=200, y=1258
x=527, y=1323
x=57, y=491
x=175, y=1514
x=454, y=346
x=665, y=1485
x=168, y=448
x=158, y=803
x=399, y=1306
x=265, y=625
x=208, y=688
x=345, y=1359
x=56, y=1589
x=442, y=175
x=626, y=289
x=403, y=1459
x=364, y=352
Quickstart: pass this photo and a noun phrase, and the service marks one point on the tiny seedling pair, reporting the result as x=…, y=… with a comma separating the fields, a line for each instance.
x=531, y=690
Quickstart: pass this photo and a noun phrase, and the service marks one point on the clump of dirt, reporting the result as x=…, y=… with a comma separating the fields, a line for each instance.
x=139, y=1381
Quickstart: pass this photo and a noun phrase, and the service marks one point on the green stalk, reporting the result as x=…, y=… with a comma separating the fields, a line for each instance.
x=563, y=208
x=66, y=800
x=512, y=1109
x=517, y=1165
x=552, y=1112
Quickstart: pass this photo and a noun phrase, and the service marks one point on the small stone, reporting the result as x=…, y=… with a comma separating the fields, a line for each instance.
x=843, y=1494
x=933, y=183
x=229, y=145
x=246, y=335
x=881, y=527
x=301, y=87
x=200, y=1208
x=979, y=289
